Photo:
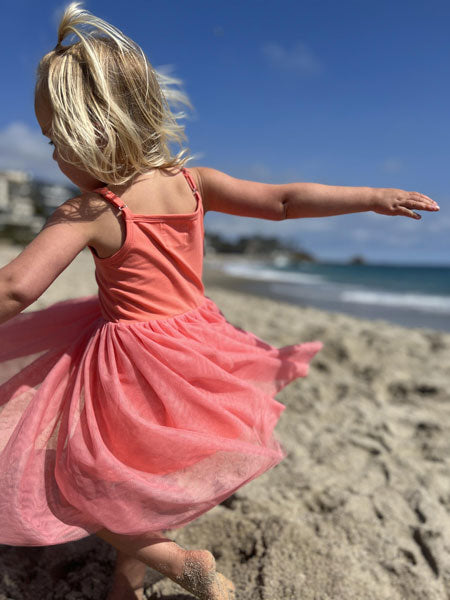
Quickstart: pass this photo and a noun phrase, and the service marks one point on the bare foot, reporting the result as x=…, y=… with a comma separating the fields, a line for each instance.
x=199, y=577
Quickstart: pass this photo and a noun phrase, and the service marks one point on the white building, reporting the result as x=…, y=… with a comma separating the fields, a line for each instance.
x=18, y=197
x=16, y=205
x=53, y=196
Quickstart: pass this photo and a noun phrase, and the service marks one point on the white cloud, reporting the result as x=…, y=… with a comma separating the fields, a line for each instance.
x=298, y=59
x=306, y=170
x=438, y=224
x=362, y=235
x=25, y=149
x=392, y=165
x=259, y=172
x=231, y=225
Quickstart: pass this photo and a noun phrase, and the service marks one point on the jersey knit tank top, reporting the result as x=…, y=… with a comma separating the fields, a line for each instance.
x=157, y=272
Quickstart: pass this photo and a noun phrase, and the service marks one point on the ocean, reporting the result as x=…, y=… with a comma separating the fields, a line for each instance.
x=413, y=296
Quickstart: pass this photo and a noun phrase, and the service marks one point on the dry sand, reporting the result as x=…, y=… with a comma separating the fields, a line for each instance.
x=359, y=509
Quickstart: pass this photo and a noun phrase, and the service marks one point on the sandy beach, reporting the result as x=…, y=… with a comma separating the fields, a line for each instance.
x=360, y=507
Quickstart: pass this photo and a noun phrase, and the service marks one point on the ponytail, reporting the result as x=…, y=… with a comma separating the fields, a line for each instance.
x=75, y=18
x=111, y=114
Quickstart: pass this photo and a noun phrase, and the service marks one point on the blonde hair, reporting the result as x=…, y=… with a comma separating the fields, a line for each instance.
x=110, y=108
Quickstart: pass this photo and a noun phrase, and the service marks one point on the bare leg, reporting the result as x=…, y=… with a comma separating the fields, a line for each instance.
x=194, y=570
x=129, y=574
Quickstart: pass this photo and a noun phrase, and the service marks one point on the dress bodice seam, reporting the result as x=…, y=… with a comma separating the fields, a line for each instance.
x=166, y=319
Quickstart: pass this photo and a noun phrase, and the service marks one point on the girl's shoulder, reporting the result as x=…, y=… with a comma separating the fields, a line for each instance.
x=85, y=208
x=88, y=213
x=96, y=220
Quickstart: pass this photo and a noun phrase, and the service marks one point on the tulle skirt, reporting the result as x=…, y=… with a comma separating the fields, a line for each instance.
x=134, y=427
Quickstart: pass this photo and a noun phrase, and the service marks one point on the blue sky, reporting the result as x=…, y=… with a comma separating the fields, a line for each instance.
x=354, y=92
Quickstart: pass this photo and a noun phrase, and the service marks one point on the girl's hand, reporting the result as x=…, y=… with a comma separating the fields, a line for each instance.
x=393, y=202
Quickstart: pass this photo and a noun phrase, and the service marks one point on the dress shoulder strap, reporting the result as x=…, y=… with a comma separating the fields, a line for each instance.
x=193, y=187
x=111, y=197
x=190, y=180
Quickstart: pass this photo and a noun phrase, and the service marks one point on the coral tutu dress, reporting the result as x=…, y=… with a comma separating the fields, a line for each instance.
x=141, y=408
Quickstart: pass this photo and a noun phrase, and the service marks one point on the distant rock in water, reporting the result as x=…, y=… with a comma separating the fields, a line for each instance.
x=357, y=260
x=281, y=252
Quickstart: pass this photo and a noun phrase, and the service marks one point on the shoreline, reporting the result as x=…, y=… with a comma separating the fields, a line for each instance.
x=405, y=317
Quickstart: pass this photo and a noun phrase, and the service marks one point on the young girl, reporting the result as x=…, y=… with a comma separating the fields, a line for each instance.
x=136, y=411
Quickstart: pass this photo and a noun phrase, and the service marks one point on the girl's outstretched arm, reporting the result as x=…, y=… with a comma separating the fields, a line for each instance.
x=223, y=193
x=67, y=231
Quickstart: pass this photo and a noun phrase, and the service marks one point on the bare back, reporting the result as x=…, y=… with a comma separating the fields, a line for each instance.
x=157, y=193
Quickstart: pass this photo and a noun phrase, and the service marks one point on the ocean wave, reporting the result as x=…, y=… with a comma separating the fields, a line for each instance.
x=319, y=288
x=263, y=273
x=423, y=302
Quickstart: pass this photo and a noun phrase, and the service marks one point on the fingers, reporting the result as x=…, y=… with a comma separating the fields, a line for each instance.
x=400, y=202
x=405, y=212
x=419, y=205
x=418, y=201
